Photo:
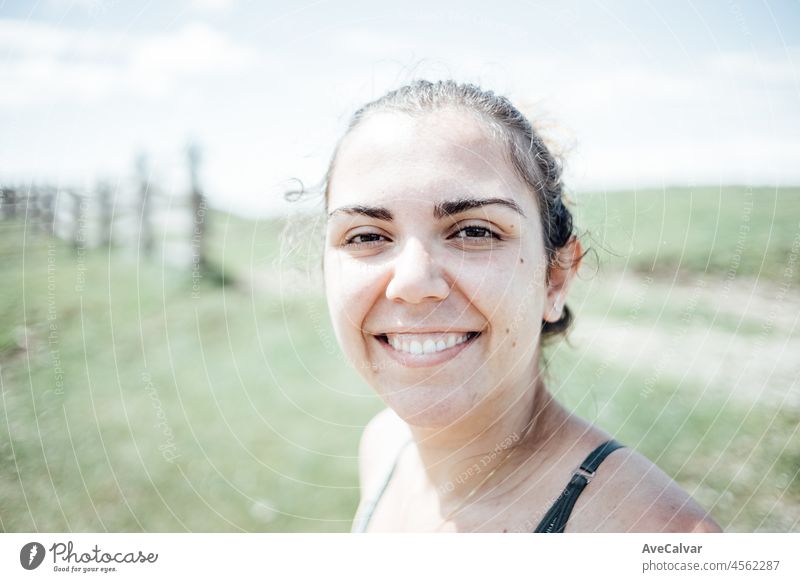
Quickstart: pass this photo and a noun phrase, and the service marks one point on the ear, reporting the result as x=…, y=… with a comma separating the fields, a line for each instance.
x=562, y=272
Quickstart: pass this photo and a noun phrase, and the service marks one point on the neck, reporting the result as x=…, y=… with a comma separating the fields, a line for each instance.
x=456, y=460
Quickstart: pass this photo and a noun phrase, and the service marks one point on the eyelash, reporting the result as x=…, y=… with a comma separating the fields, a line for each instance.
x=492, y=235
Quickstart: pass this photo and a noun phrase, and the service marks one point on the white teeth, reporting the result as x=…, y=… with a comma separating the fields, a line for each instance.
x=420, y=344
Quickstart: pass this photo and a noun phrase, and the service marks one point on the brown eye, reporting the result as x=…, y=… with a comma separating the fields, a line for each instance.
x=476, y=232
x=364, y=238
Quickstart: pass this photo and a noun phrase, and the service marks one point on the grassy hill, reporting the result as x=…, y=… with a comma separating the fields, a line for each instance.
x=135, y=398
x=727, y=231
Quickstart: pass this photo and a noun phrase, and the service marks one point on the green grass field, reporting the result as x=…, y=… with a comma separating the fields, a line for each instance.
x=134, y=399
x=715, y=230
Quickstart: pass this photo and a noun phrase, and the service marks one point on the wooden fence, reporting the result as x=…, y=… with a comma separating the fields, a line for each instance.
x=134, y=214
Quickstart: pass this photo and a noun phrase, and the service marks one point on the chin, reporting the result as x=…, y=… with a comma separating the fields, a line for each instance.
x=429, y=406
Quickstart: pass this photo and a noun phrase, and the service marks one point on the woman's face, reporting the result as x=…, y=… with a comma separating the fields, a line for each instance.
x=435, y=266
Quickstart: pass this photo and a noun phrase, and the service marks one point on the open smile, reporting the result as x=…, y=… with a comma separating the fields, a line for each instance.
x=425, y=349
x=426, y=343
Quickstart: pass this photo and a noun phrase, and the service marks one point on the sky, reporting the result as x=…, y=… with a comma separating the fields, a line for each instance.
x=643, y=94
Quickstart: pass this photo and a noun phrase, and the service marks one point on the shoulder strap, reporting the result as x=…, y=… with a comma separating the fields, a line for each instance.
x=555, y=520
x=363, y=517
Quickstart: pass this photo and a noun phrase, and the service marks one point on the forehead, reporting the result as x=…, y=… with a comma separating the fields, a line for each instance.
x=395, y=156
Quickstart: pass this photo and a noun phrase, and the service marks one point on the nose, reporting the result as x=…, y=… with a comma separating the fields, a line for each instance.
x=416, y=276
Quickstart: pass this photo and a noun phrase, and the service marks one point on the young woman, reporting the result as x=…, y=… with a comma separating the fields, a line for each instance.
x=448, y=258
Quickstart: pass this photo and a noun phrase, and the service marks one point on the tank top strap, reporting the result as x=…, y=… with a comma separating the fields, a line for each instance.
x=555, y=520
x=363, y=517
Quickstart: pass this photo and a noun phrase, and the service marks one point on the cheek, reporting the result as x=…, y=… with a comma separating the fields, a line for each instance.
x=350, y=292
x=513, y=302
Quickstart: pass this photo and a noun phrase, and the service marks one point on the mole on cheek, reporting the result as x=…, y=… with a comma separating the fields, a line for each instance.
x=522, y=260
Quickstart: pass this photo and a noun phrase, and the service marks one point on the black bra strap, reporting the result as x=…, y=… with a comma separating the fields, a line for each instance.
x=555, y=520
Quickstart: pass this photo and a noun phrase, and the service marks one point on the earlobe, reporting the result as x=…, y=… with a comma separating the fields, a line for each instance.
x=553, y=311
x=553, y=308
x=563, y=269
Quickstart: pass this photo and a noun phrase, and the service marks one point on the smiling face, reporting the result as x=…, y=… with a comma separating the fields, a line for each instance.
x=435, y=266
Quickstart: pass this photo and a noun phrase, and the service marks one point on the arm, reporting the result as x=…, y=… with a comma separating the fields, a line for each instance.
x=381, y=439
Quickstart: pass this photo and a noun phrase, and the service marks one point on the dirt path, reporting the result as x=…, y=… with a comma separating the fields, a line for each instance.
x=761, y=364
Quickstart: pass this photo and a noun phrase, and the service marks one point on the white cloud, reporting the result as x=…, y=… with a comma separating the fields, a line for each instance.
x=52, y=65
x=748, y=65
x=27, y=38
x=193, y=51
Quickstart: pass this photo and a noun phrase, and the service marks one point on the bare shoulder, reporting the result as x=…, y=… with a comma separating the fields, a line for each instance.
x=382, y=437
x=629, y=493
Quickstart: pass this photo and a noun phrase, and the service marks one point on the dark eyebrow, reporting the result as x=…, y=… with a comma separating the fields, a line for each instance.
x=459, y=205
x=440, y=210
x=376, y=212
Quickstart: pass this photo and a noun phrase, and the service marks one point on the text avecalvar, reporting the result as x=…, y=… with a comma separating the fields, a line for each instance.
x=671, y=549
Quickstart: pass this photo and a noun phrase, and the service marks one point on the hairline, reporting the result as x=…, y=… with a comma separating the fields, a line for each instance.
x=505, y=137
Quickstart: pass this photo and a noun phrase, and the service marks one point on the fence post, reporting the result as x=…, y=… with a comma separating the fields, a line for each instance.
x=78, y=220
x=9, y=203
x=47, y=199
x=104, y=213
x=145, y=226
x=32, y=210
x=199, y=210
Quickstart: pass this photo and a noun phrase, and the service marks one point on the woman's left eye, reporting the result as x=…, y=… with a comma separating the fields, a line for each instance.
x=475, y=232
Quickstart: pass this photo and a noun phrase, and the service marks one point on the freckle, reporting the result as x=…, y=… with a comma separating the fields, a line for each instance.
x=513, y=344
x=506, y=330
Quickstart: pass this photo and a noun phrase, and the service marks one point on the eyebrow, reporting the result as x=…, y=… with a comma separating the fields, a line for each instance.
x=460, y=205
x=440, y=210
x=377, y=212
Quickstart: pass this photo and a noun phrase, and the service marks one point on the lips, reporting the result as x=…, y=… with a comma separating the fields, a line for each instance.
x=425, y=343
